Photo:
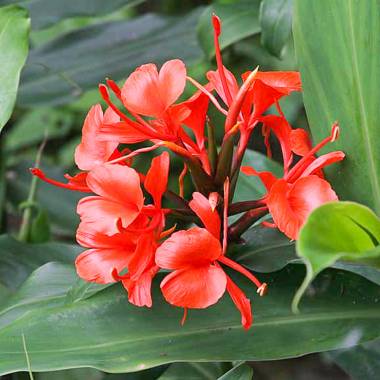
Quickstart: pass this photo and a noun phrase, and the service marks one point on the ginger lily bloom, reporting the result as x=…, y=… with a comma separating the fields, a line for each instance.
x=292, y=198
x=195, y=257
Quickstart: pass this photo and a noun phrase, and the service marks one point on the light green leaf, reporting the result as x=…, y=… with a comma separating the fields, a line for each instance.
x=14, y=33
x=337, y=230
x=193, y=371
x=65, y=67
x=241, y=372
x=239, y=20
x=338, y=49
x=106, y=332
x=276, y=24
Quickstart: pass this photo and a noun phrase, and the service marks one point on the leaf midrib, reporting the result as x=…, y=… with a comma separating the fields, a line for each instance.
x=315, y=317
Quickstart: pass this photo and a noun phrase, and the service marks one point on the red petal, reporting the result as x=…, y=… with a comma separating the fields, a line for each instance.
x=241, y=302
x=215, y=80
x=322, y=161
x=300, y=141
x=290, y=205
x=194, y=288
x=156, y=179
x=201, y=206
x=96, y=265
x=139, y=292
x=283, y=81
x=122, y=132
x=91, y=152
x=267, y=178
x=193, y=247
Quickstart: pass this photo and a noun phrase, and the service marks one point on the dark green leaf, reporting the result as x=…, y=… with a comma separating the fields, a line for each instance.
x=338, y=230
x=276, y=24
x=62, y=69
x=108, y=333
x=14, y=33
x=18, y=260
x=48, y=12
x=40, y=228
x=338, y=50
x=239, y=20
x=360, y=362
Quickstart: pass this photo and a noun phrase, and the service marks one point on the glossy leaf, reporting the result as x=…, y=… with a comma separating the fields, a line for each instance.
x=18, y=260
x=360, y=362
x=338, y=230
x=276, y=24
x=118, y=337
x=250, y=187
x=14, y=34
x=193, y=370
x=240, y=19
x=48, y=12
x=64, y=68
x=241, y=372
x=339, y=57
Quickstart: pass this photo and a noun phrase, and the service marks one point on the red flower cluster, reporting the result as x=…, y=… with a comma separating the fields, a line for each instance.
x=126, y=237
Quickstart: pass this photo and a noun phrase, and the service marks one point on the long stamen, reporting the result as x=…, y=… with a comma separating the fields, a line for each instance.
x=181, y=180
x=226, y=197
x=135, y=153
x=261, y=287
x=41, y=175
x=208, y=93
x=183, y=320
x=300, y=166
x=217, y=30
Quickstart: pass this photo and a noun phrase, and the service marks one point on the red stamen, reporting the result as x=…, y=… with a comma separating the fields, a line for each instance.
x=117, y=277
x=217, y=29
x=181, y=180
x=183, y=320
x=301, y=165
x=226, y=197
x=168, y=232
x=135, y=153
x=208, y=93
x=232, y=264
x=41, y=175
x=268, y=224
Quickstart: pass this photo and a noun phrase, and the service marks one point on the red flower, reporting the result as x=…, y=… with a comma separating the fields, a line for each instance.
x=195, y=255
x=292, y=198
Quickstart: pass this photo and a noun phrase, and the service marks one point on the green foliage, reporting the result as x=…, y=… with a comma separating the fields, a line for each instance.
x=14, y=32
x=149, y=337
x=338, y=230
x=276, y=24
x=339, y=57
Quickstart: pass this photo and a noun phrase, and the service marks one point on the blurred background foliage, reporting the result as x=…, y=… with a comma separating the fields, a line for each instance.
x=76, y=44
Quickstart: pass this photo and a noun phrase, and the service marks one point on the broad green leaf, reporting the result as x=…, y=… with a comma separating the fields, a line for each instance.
x=108, y=333
x=360, y=362
x=241, y=372
x=192, y=371
x=60, y=204
x=276, y=24
x=338, y=230
x=338, y=50
x=64, y=68
x=14, y=32
x=18, y=260
x=250, y=187
x=239, y=20
x=48, y=12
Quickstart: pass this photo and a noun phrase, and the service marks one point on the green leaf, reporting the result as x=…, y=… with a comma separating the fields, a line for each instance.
x=339, y=57
x=14, y=33
x=192, y=371
x=239, y=20
x=360, y=362
x=240, y=372
x=276, y=24
x=250, y=187
x=108, y=333
x=40, y=228
x=48, y=12
x=337, y=230
x=18, y=260
x=64, y=68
